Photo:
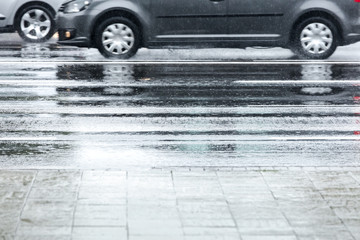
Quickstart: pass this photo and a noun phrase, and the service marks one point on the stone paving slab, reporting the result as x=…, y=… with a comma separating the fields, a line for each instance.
x=181, y=203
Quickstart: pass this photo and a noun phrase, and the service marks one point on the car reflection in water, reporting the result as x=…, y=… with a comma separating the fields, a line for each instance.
x=46, y=51
x=204, y=85
x=98, y=84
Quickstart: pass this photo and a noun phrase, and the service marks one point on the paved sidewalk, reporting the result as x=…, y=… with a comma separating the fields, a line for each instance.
x=188, y=204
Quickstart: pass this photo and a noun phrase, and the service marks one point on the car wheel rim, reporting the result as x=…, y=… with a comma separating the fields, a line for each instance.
x=118, y=39
x=316, y=38
x=35, y=24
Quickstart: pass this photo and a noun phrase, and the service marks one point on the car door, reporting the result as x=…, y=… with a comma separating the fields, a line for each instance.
x=6, y=10
x=257, y=18
x=195, y=19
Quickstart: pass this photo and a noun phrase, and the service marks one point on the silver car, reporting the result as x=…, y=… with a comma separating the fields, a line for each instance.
x=33, y=20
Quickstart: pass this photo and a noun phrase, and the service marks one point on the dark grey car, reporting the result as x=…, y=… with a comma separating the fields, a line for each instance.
x=311, y=28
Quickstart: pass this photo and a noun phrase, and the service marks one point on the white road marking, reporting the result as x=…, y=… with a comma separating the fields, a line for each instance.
x=4, y=139
x=59, y=83
x=296, y=138
x=316, y=138
x=298, y=81
x=185, y=62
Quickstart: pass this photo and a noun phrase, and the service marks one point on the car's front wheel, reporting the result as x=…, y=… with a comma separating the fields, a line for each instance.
x=35, y=24
x=117, y=37
x=315, y=38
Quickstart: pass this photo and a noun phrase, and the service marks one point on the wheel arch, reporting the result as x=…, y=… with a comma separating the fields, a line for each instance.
x=318, y=13
x=120, y=12
x=29, y=4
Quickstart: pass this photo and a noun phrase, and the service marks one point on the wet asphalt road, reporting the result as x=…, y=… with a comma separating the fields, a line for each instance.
x=63, y=108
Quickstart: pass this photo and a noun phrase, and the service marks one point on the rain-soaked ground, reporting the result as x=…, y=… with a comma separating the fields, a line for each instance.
x=178, y=144
x=65, y=107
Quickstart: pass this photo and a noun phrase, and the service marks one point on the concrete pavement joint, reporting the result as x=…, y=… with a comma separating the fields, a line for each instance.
x=127, y=207
x=263, y=168
x=273, y=195
x=228, y=206
x=177, y=201
x=348, y=168
x=24, y=204
x=322, y=196
x=77, y=199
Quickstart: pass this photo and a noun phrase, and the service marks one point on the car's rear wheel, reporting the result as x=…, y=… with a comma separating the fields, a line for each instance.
x=35, y=24
x=315, y=38
x=117, y=37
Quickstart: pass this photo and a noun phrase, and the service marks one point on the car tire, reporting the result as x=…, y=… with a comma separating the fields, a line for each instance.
x=315, y=38
x=35, y=23
x=117, y=37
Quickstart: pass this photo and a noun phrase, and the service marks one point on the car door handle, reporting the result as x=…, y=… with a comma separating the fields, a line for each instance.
x=216, y=1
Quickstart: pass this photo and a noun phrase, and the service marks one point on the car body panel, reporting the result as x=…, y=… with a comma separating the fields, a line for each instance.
x=226, y=23
x=195, y=18
x=257, y=17
x=6, y=8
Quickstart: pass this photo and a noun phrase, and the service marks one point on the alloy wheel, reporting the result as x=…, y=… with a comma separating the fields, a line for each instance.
x=35, y=24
